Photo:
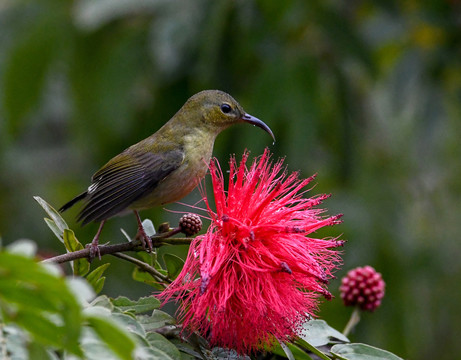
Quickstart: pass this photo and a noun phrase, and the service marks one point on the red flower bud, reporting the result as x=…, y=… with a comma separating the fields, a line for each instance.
x=363, y=287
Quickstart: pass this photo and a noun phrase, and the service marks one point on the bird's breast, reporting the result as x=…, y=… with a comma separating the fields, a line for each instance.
x=184, y=179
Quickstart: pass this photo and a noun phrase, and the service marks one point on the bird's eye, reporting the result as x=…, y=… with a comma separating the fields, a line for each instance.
x=226, y=108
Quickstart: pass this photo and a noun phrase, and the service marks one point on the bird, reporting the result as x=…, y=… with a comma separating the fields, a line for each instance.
x=164, y=167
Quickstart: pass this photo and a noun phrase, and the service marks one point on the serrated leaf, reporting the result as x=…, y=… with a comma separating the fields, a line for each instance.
x=53, y=214
x=94, y=347
x=361, y=352
x=159, y=342
x=155, y=321
x=174, y=265
x=130, y=323
x=79, y=266
x=103, y=301
x=140, y=306
x=95, y=277
x=118, y=339
x=97, y=310
x=149, y=353
x=319, y=333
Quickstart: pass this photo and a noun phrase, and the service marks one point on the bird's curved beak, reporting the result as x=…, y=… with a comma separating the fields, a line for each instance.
x=259, y=123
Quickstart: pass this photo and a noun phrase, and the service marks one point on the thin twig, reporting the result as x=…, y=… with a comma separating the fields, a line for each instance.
x=157, y=275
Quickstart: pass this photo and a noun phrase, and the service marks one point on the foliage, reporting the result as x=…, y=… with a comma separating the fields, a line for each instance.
x=45, y=315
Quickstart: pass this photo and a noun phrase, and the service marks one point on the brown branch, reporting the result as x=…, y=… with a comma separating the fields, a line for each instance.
x=134, y=245
x=103, y=250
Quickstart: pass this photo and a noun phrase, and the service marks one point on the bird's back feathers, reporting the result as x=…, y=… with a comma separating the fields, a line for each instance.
x=122, y=181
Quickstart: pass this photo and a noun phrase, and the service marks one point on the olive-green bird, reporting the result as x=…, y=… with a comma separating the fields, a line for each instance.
x=164, y=167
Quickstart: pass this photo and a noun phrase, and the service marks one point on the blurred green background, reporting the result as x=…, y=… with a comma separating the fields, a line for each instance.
x=365, y=93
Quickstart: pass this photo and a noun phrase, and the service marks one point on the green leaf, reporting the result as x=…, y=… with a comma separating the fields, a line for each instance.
x=39, y=301
x=80, y=266
x=70, y=241
x=287, y=351
x=103, y=301
x=159, y=342
x=81, y=289
x=95, y=277
x=54, y=228
x=319, y=333
x=53, y=214
x=187, y=351
x=140, y=306
x=297, y=352
x=94, y=347
x=148, y=258
x=312, y=349
x=37, y=351
x=118, y=339
x=361, y=352
x=130, y=323
x=157, y=320
x=146, y=278
x=149, y=353
x=174, y=265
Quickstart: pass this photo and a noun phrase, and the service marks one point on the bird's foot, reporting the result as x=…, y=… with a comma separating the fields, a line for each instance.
x=94, y=246
x=94, y=250
x=146, y=241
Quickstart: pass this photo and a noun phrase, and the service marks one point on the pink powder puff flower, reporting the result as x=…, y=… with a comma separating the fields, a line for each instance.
x=256, y=275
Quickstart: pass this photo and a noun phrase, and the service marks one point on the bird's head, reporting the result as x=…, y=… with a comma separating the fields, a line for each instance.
x=218, y=110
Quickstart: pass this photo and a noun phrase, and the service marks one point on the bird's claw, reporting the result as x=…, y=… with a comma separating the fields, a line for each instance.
x=94, y=251
x=146, y=241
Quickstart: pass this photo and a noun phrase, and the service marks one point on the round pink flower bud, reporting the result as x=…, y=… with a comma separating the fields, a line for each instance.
x=362, y=287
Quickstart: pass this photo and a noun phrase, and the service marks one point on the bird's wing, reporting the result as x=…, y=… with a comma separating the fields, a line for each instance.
x=125, y=179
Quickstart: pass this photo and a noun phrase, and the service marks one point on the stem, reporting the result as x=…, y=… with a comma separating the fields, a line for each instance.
x=145, y=267
x=353, y=321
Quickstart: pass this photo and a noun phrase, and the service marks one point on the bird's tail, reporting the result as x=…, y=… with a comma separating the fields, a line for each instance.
x=73, y=201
